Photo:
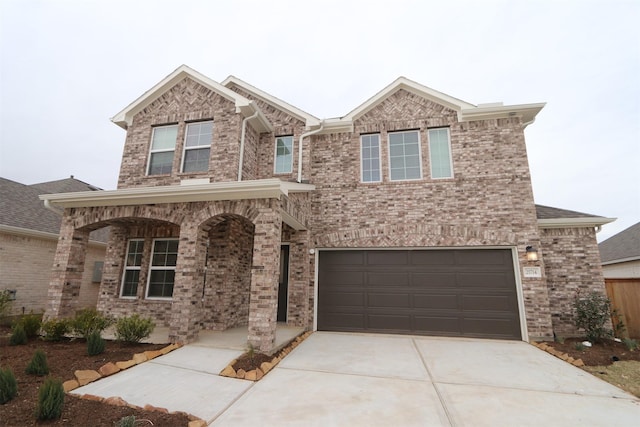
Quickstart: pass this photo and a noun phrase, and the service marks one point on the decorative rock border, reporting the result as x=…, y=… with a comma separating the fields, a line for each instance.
x=84, y=377
x=265, y=367
x=560, y=355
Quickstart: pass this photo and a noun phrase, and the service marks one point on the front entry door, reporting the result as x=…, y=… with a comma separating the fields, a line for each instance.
x=283, y=284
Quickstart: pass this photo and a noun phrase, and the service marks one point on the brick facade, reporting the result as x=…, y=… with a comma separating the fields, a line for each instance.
x=228, y=262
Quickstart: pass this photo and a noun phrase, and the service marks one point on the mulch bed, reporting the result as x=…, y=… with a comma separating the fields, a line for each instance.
x=63, y=359
x=601, y=354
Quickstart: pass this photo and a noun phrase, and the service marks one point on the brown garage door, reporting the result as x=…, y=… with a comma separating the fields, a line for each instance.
x=470, y=293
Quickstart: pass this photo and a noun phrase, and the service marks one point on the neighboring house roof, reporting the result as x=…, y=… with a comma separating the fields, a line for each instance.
x=21, y=208
x=550, y=217
x=125, y=117
x=309, y=119
x=621, y=247
x=466, y=111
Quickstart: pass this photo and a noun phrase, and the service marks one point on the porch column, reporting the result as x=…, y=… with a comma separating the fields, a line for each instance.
x=68, y=266
x=299, y=313
x=187, y=289
x=114, y=261
x=263, y=304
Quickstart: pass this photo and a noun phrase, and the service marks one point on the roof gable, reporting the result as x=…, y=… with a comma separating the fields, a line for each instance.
x=124, y=118
x=308, y=119
x=550, y=217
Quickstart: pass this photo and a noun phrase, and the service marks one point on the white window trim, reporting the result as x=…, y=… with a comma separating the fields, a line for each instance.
x=419, y=155
x=275, y=154
x=152, y=151
x=450, y=153
x=379, y=159
x=135, y=267
x=151, y=267
x=185, y=149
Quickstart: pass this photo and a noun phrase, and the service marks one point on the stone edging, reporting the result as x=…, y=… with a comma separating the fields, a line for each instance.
x=265, y=367
x=560, y=355
x=84, y=377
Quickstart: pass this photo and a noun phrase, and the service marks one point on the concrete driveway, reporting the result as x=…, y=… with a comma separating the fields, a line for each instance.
x=335, y=379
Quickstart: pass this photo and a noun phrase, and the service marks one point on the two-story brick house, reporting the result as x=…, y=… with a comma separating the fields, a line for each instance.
x=411, y=214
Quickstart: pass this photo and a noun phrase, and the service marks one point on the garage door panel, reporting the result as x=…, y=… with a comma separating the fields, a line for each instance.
x=435, y=301
x=388, y=278
x=435, y=292
x=389, y=322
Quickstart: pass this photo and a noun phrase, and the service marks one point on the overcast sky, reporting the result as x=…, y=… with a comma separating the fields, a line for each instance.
x=68, y=66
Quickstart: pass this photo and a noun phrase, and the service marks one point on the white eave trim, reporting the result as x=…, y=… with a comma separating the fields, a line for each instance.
x=621, y=260
x=574, y=222
x=527, y=112
x=125, y=117
x=255, y=189
x=310, y=120
x=26, y=232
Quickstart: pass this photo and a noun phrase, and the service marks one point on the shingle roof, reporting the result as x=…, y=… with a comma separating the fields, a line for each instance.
x=624, y=245
x=20, y=206
x=548, y=212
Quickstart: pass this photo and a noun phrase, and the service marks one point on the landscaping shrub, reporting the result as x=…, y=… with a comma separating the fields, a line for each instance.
x=88, y=320
x=31, y=324
x=8, y=385
x=18, y=335
x=591, y=314
x=631, y=344
x=133, y=329
x=5, y=303
x=38, y=365
x=55, y=329
x=50, y=399
x=95, y=344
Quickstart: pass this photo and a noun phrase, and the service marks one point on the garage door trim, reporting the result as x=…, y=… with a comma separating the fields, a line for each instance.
x=514, y=257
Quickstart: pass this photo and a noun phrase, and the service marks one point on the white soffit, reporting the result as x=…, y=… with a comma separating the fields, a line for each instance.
x=125, y=117
x=310, y=120
x=255, y=189
x=574, y=222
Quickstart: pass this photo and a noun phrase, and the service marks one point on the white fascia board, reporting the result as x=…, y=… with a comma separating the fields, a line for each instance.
x=621, y=260
x=255, y=189
x=574, y=222
x=260, y=122
x=26, y=232
x=310, y=120
x=527, y=112
x=124, y=118
x=409, y=86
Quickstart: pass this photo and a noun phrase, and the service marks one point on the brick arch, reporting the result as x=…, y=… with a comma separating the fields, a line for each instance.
x=93, y=218
x=416, y=235
x=247, y=209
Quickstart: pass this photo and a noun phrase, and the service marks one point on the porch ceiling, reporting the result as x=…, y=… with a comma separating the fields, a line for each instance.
x=215, y=191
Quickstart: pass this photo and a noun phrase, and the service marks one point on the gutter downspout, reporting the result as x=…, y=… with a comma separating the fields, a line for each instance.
x=48, y=205
x=304, y=135
x=244, y=128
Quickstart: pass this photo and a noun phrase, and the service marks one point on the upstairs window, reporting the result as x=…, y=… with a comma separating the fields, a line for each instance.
x=370, y=158
x=440, y=153
x=284, y=154
x=162, y=271
x=197, y=146
x=131, y=274
x=163, y=144
x=404, y=155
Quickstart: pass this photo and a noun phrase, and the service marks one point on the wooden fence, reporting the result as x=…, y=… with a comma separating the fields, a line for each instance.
x=625, y=298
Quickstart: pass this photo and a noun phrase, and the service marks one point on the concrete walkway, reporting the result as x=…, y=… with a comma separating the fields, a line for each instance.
x=334, y=379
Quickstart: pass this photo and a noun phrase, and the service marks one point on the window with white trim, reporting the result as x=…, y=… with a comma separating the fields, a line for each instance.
x=162, y=269
x=131, y=274
x=284, y=154
x=197, y=147
x=163, y=144
x=440, y=153
x=404, y=155
x=370, y=158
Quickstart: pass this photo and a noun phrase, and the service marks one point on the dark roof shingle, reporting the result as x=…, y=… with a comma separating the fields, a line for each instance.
x=548, y=212
x=624, y=245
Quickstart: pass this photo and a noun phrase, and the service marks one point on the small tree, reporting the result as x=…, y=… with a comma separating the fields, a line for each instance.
x=133, y=329
x=50, y=399
x=18, y=335
x=8, y=385
x=591, y=314
x=95, y=344
x=5, y=303
x=38, y=365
